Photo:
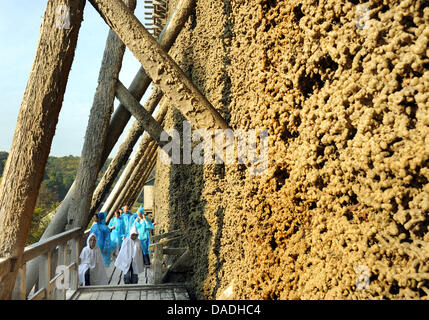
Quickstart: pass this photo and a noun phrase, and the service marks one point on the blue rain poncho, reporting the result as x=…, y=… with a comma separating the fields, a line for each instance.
x=102, y=232
x=117, y=232
x=143, y=226
x=128, y=220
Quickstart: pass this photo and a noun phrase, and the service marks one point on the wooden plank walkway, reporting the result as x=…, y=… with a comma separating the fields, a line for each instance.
x=115, y=276
x=168, y=291
x=143, y=290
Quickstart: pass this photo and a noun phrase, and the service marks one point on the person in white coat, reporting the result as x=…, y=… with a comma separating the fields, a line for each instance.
x=130, y=258
x=91, y=269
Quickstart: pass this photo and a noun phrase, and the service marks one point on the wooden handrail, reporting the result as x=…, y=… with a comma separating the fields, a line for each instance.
x=164, y=241
x=43, y=248
x=159, y=242
x=158, y=237
x=39, y=248
x=174, y=251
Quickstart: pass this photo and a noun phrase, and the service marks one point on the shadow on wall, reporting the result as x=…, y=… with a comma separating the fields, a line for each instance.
x=187, y=206
x=187, y=213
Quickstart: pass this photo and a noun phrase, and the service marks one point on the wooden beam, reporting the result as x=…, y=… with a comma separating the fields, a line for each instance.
x=97, y=128
x=162, y=69
x=173, y=233
x=141, y=80
x=157, y=263
x=141, y=181
x=123, y=190
x=139, y=171
x=36, y=124
x=42, y=247
x=5, y=267
x=174, y=251
x=138, y=156
x=22, y=284
x=165, y=241
x=140, y=113
x=122, y=156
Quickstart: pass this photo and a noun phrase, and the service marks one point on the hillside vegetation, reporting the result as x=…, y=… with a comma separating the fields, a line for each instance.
x=60, y=173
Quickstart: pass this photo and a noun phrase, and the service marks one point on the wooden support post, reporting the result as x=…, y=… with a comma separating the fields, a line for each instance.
x=36, y=123
x=162, y=69
x=122, y=156
x=157, y=262
x=66, y=263
x=63, y=261
x=138, y=172
x=120, y=117
x=143, y=178
x=139, y=169
x=125, y=181
x=19, y=292
x=117, y=199
x=74, y=274
x=22, y=287
x=45, y=274
x=141, y=80
x=140, y=113
x=60, y=262
x=97, y=129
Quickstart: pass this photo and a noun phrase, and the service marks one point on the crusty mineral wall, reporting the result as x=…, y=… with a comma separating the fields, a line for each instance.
x=343, y=91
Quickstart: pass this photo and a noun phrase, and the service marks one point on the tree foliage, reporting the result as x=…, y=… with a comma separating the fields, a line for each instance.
x=60, y=172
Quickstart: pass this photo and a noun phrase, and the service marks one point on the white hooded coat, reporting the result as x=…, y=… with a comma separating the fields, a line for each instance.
x=130, y=251
x=93, y=260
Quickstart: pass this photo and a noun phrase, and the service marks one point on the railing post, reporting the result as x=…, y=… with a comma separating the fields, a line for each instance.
x=23, y=288
x=45, y=273
x=19, y=292
x=54, y=263
x=66, y=263
x=60, y=294
x=75, y=254
x=157, y=262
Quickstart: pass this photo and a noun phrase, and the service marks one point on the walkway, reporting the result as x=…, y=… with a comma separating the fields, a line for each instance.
x=143, y=290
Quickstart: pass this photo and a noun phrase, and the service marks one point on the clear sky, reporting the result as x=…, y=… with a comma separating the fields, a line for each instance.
x=20, y=22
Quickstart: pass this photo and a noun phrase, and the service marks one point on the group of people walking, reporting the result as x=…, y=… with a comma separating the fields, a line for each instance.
x=126, y=238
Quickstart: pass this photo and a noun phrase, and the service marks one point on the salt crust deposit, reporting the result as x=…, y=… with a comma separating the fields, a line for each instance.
x=347, y=185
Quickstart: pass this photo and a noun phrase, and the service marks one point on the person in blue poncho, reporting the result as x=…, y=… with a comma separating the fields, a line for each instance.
x=102, y=232
x=117, y=231
x=143, y=226
x=128, y=219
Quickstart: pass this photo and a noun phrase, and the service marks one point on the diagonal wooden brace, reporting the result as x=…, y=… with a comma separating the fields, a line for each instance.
x=141, y=81
x=140, y=113
x=162, y=69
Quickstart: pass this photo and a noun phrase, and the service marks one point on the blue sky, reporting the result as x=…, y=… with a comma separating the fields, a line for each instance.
x=20, y=22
